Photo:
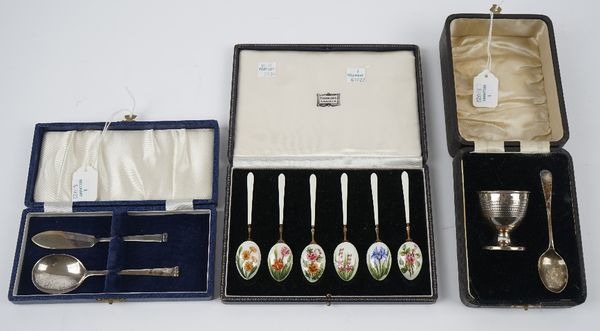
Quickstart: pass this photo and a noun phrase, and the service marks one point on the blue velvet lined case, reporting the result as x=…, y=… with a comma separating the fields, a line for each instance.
x=190, y=245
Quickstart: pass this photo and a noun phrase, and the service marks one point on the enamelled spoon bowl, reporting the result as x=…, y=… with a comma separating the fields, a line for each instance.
x=247, y=257
x=62, y=273
x=313, y=258
x=551, y=266
x=379, y=259
x=410, y=257
x=73, y=240
x=345, y=255
x=280, y=258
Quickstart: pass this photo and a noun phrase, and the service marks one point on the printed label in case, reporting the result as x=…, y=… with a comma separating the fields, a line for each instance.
x=267, y=69
x=328, y=99
x=84, y=186
x=355, y=75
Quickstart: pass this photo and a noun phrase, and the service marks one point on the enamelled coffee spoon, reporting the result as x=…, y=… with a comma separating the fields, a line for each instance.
x=312, y=259
x=551, y=266
x=280, y=256
x=410, y=257
x=247, y=257
x=378, y=257
x=62, y=273
x=73, y=240
x=345, y=256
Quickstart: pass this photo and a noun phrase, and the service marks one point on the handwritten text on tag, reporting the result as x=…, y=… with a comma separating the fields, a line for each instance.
x=84, y=186
x=485, y=90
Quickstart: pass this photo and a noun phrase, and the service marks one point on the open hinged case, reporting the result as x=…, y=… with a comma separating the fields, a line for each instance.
x=506, y=148
x=153, y=178
x=326, y=110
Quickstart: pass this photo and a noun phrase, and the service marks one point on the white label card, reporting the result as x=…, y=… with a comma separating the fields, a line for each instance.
x=84, y=186
x=355, y=75
x=267, y=69
x=485, y=90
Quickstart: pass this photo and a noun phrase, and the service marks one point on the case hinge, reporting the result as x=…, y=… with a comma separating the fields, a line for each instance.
x=58, y=207
x=180, y=204
x=535, y=146
x=488, y=146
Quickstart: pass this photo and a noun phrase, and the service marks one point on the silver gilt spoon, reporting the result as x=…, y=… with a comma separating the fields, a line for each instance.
x=62, y=273
x=410, y=257
x=74, y=240
x=345, y=255
x=247, y=257
x=280, y=258
x=551, y=266
x=313, y=258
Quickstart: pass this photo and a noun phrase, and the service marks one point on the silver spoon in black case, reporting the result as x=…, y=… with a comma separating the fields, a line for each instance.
x=73, y=240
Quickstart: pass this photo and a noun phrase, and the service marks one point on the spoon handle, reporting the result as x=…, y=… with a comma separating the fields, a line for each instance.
x=313, y=198
x=344, y=184
x=250, y=190
x=546, y=177
x=281, y=182
x=375, y=196
x=405, y=196
x=158, y=272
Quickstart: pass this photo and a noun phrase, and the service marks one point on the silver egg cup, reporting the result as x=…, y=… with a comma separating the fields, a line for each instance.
x=504, y=210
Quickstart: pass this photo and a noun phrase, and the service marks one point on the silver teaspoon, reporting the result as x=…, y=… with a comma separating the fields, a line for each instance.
x=551, y=266
x=247, y=257
x=62, y=273
x=73, y=240
x=313, y=258
x=379, y=257
x=280, y=258
x=410, y=257
x=345, y=255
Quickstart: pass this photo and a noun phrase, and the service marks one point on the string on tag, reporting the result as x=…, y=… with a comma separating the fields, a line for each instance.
x=485, y=84
x=84, y=184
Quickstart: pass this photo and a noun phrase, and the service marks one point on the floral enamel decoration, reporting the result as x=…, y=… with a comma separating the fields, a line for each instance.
x=312, y=259
x=247, y=258
x=379, y=259
x=410, y=257
x=280, y=257
x=345, y=255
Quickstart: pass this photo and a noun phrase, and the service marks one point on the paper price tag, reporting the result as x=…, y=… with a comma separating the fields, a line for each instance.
x=485, y=90
x=267, y=69
x=84, y=186
x=355, y=75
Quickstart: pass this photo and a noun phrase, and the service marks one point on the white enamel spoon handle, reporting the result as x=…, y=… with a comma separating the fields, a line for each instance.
x=375, y=196
x=250, y=190
x=281, y=182
x=405, y=186
x=344, y=184
x=313, y=198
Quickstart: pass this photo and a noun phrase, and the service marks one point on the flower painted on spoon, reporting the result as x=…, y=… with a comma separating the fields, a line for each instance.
x=410, y=257
x=312, y=259
x=345, y=255
x=247, y=257
x=379, y=260
x=280, y=256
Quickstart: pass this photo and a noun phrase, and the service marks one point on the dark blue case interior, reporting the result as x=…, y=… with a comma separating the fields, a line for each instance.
x=190, y=245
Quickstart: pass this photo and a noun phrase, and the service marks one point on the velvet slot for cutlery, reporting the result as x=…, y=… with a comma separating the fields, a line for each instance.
x=153, y=178
x=506, y=148
x=326, y=110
